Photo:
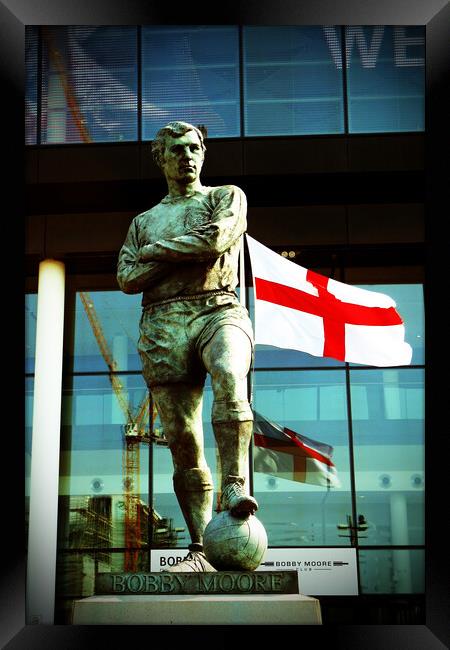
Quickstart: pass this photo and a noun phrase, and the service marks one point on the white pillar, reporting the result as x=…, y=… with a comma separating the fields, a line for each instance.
x=44, y=476
x=400, y=537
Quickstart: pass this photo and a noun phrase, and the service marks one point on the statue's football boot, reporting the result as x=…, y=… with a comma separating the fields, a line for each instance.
x=195, y=561
x=235, y=499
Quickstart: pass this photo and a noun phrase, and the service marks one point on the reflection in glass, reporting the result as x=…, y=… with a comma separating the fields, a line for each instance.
x=104, y=503
x=89, y=84
x=30, y=331
x=106, y=327
x=293, y=80
x=388, y=433
x=385, y=78
x=31, y=60
x=191, y=70
x=392, y=571
x=311, y=403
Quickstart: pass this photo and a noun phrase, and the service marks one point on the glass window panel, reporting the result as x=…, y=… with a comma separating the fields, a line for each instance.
x=385, y=78
x=31, y=73
x=103, y=484
x=293, y=80
x=312, y=403
x=388, y=434
x=30, y=331
x=95, y=413
x=392, y=571
x=410, y=306
x=106, y=327
x=191, y=73
x=267, y=356
x=93, y=452
x=89, y=84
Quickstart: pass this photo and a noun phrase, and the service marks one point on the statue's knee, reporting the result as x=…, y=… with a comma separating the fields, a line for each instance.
x=226, y=410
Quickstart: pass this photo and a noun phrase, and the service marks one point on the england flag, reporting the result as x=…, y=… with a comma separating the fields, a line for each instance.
x=302, y=310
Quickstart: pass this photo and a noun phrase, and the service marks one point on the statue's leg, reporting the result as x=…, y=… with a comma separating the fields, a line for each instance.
x=180, y=409
x=227, y=357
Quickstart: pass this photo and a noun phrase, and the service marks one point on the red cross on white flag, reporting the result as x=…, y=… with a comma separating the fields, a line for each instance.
x=302, y=310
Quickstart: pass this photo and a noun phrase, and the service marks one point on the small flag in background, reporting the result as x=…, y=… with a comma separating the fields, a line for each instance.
x=303, y=310
x=282, y=452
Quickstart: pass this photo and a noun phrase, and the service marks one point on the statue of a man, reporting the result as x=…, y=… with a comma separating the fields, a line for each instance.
x=182, y=255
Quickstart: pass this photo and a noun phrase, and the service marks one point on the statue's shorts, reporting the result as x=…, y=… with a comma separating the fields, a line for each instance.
x=174, y=334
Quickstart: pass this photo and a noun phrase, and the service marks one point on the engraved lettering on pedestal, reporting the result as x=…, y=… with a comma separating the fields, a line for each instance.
x=207, y=582
x=221, y=582
x=167, y=585
x=244, y=578
x=118, y=583
x=151, y=584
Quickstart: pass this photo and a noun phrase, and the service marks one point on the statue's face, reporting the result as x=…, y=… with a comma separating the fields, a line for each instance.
x=183, y=158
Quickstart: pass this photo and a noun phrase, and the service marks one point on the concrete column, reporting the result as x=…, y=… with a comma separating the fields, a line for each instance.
x=400, y=537
x=44, y=475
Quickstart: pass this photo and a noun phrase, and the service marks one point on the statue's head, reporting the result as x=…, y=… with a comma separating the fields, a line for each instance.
x=175, y=130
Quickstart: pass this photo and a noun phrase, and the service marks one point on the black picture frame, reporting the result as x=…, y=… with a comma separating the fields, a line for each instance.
x=434, y=14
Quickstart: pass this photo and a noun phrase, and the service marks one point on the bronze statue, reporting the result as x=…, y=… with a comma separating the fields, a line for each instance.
x=182, y=255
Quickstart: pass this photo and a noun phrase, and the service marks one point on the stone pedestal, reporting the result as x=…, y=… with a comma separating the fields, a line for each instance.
x=213, y=609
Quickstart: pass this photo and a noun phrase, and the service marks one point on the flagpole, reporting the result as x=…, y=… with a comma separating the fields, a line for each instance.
x=243, y=301
x=242, y=285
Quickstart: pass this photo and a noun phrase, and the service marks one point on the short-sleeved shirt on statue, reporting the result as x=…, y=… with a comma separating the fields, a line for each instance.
x=189, y=286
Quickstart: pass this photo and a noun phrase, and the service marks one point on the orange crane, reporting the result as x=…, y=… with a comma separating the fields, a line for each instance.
x=135, y=432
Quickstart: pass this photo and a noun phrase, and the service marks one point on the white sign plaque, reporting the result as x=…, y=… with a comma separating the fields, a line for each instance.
x=161, y=559
x=321, y=571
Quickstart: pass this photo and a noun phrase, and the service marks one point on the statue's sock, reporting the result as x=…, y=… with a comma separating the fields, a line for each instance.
x=194, y=490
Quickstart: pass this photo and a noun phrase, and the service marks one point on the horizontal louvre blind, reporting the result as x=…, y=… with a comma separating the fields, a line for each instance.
x=386, y=78
x=31, y=69
x=191, y=73
x=89, y=85
x=293, y=80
